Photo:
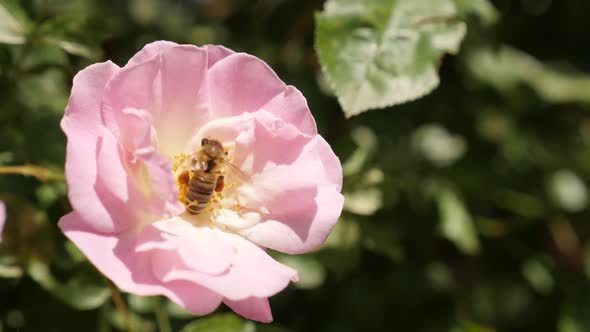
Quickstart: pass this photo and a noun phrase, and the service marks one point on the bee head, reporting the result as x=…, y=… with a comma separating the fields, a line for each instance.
x=212, y=148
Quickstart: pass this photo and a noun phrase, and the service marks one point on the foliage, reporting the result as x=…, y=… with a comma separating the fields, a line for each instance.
x=466, y=209
x=381, y=53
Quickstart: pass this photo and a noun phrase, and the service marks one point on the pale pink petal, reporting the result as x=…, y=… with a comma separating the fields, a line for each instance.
x=199, y=248
x=315, y=164
x=115, y=257
x=302, y=228
x=169, y=83
x=252, y=308
x=241, y=83
x=82, y=125
x=149, y=51
x=134, y=172
x=82, y=116
x=139, y=132
x=155, y=173
x=183, y=105
x=291, y=106
x=295, y=181
x=260, y=139
x=194, y=298
x=253, y=273
x=216, y=53
x=112, y=186
x=135, y=190
x=133, y=87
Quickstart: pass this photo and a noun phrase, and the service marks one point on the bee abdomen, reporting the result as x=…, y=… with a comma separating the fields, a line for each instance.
x=200, y=190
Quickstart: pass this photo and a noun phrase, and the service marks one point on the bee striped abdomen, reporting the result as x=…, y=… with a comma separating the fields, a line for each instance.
x=200, y=189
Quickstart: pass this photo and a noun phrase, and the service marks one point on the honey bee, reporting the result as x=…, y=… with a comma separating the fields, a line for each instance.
x=204, y=175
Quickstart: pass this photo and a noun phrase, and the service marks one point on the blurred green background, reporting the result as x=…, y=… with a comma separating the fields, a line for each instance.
x=466, y=210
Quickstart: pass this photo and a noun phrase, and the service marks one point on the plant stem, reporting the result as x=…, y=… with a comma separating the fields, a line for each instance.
x=162, y=317
x=121, y=307
x=41, y=173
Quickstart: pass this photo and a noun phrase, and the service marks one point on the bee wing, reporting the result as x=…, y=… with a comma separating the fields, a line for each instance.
x=235, y=170
x=198, y=162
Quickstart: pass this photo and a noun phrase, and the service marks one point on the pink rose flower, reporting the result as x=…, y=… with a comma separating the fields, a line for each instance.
x=128, y=131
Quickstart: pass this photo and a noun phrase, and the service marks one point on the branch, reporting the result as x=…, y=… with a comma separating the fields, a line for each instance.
x=41, y=173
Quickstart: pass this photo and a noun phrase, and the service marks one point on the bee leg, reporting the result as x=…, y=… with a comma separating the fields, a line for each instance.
x=220, y=184
x=195, y=202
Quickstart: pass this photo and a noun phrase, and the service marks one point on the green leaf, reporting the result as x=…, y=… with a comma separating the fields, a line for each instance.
x=363, y=201
x=382, y=238
x=176, y=311
x=77, y=48
x=507, y=68
x=71, y=35
x=220, y=323
x=80, y=292
x=346, y=234
x=311, y=273
x=142, y=304
x=45, y=90
x=568, y=190
x=437, y=145
x=10, y=271
x=481, y=8
x=569, y=323
x=538, y=276
x=366, y=142
x=456, y=223
x=379, y=53
x=472, y=327
x=13, y=24
x=121, y=321
x=270, y=328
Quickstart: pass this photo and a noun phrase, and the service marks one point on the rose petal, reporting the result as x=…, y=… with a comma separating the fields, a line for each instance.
x=259, y=139
x=314, y=165
x=302, y=229
x=82, y=127
x=149, y=51
x=133, y=87
x=81, y=118
x=252, y=308
x=112, y=185
x=252, y=273
x=169, y=79
x=295, y=181
x=199, y=247
x=194, y=298
x=291, y=106
x=216, y=53
x=241, y=83
x=115, y=257
x=182, y=73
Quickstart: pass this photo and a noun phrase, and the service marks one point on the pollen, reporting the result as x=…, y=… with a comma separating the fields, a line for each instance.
x=182, y=175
